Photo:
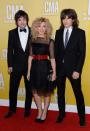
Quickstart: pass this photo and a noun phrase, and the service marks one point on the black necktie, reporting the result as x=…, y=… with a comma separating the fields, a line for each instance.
x=23, y=30
x=66, y=38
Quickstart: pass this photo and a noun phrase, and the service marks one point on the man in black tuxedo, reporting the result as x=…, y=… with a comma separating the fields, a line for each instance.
x=17, y=57
x=70, y=46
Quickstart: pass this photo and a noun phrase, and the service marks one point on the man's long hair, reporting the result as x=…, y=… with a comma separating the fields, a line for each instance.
x=70, y=13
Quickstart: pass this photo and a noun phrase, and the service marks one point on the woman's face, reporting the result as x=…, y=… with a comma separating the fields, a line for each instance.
x=42, y=28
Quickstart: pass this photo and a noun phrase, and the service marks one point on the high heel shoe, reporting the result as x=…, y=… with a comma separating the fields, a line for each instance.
x=37, y=120
x=43, y=120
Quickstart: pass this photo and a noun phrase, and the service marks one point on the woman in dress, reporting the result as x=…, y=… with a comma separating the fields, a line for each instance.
x=40, y=63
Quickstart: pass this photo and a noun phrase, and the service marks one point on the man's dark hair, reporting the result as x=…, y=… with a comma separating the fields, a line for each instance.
x=70, y=13
x=19, y=14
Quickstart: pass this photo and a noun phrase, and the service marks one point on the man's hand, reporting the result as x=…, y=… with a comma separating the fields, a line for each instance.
x=10, y=69
x=75, y=75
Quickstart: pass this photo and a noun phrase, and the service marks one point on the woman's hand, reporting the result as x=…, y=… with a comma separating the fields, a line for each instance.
x=28, y=76
x=53, y=76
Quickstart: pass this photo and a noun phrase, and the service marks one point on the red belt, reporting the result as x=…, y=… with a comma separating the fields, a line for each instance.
x=40, y=57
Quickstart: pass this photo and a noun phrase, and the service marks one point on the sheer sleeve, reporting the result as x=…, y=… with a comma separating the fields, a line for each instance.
x=51, y=49
x=30, y=52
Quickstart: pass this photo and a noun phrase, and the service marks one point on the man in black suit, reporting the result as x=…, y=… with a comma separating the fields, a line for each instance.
x=70, y=46
x=17, y=57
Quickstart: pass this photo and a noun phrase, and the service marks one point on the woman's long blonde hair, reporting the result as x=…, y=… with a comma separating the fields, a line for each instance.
x=36, y=23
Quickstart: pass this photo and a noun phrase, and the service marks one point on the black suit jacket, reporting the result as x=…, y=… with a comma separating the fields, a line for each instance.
x=74, y=54
x=16, y=57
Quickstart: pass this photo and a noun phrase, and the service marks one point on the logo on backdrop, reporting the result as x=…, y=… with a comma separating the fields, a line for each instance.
x=50, y=7
x=10, y=12
x=1, y=81
x=21, y=92
x=3, y=54
x=87, y=14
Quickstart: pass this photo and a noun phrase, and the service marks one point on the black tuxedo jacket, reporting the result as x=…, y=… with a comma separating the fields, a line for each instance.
x=74, y=54
x=16, y=57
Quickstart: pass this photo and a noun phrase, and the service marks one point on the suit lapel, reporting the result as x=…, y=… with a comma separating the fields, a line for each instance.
x=29, y=36
x=61, y=36
x=18, y=39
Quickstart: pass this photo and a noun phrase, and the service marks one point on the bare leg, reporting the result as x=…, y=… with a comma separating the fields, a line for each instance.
x=38, y=101
x=46, y=105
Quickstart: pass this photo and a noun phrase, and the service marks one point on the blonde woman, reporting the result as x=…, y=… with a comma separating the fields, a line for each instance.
x=40, y=61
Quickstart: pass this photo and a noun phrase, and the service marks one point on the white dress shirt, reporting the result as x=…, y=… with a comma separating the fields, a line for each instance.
x=23, y=36
x=64, y=34
x=69, y=31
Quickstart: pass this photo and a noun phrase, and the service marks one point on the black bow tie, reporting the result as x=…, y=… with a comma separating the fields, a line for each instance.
x=23, y=30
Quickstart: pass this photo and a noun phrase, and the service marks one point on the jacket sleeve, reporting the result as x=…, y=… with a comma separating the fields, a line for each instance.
x=56, y=47
x=10, y=49
x=82, y=52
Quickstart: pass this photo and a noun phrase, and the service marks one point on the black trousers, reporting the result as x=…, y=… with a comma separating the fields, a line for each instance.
x=15, y=78
x=76, y=86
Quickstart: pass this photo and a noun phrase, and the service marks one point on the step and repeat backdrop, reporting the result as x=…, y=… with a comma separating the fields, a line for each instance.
x=50, y=9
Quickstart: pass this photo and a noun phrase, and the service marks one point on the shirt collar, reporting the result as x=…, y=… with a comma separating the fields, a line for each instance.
x=69, y=29
x=26, y=27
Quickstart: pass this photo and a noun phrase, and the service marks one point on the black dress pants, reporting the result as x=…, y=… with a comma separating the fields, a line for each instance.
x=76, y=86
x=15, y=78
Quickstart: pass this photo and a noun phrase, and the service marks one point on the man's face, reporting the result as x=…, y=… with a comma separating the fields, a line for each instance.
x=22, y=22
x=67, y=22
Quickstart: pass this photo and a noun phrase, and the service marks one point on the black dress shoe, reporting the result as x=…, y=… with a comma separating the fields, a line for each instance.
x=26, y=114
x=82, y=122
x=9, y=114
x=60, y=118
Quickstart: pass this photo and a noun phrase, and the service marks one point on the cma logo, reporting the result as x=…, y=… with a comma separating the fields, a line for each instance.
x=21, y=91
x=89, y=8
x=1, y=81
x=11, y=10
x=3, y=54
x=50, y=7
x=87, y=14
